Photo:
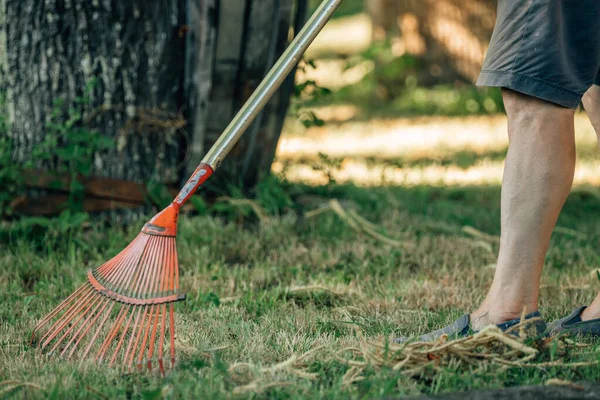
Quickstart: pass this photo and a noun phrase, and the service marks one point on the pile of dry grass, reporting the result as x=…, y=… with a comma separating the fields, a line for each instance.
x=515, y=347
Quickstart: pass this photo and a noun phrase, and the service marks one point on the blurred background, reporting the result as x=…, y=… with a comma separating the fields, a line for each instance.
x=110, y=106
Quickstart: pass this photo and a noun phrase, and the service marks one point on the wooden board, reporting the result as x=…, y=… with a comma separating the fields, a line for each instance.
x=101, y=194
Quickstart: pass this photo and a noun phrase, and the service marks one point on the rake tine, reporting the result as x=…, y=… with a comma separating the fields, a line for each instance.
x=141, y=289
x=153, y=338
x=92, y=301
x=140, y=273
x=153, y=262
x=172, y=333
x=162, y=339
x=132, y=336
x=173, y=269
x=175, y=266
x=127, y=262
x=138, y=336
x=109, y=265
x=56, y=310
x=111, y=334
x=63, y=320
x=144, y=341
x=98, y=330
x=163, y=307
x=123, y=334
x=124, y=276
x=160, y=288
x=153, y=287
x=146, y=282
x=88, y=325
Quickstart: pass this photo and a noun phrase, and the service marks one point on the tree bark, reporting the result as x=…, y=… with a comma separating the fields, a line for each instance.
x=133, y=49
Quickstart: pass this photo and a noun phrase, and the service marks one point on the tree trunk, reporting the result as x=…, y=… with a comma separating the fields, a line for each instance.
x=251, y=34
x=133, y=49
x=170, y=75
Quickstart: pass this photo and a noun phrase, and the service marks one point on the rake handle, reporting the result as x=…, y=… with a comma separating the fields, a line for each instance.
x=259, y=98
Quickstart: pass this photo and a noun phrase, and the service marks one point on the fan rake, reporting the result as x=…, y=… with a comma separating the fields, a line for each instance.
x=127, y=303
x=124, y=313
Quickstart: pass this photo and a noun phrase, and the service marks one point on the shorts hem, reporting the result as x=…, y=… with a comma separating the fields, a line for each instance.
x=530, y=86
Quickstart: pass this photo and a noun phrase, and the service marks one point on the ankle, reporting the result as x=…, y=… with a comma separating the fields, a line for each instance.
x=505, y=315
x=493, y=316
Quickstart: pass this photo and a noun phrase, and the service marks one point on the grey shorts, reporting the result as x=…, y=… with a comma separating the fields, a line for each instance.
x=549, y=49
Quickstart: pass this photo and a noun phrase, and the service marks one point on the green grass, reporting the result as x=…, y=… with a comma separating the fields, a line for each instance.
x=240, y=309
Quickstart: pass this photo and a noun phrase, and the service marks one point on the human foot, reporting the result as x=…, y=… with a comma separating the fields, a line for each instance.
x=576, y=324
x=464, y=326
x=486, y=315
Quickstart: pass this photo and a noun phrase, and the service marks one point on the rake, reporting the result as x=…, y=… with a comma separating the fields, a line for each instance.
x=124, y=313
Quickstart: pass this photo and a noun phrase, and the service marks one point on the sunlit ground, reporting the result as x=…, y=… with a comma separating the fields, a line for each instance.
x=447, y=151
x=399, y=151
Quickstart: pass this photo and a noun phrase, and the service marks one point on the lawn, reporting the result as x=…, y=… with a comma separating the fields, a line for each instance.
x=263, y=291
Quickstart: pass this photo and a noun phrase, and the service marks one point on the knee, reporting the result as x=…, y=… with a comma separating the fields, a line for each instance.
x=528, y=115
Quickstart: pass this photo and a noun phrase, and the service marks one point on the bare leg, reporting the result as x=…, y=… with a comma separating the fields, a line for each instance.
x=591, y=102
x=538, y=176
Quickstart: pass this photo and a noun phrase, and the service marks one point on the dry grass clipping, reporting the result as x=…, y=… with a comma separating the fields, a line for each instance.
x=357, y=222
x=490, y=346
x=9, y=386
x=256, y=208
x=469, y=230
x=263, y=377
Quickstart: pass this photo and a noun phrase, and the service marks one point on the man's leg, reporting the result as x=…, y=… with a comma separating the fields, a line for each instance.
x=591, y=102
x=537, y=180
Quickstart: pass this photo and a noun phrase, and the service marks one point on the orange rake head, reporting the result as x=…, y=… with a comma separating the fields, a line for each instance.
x=124, y=313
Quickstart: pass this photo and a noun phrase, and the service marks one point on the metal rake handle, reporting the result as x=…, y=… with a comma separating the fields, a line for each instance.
x=259, y=98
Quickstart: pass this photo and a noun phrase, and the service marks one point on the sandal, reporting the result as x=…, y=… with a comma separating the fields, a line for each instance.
x=462, y=327
x=573, y=325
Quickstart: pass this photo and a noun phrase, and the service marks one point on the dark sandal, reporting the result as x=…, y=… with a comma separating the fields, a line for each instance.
x=573, y=325
x=462, y=327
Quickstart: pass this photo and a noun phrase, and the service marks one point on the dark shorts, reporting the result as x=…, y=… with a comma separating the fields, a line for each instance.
x=549, y=49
